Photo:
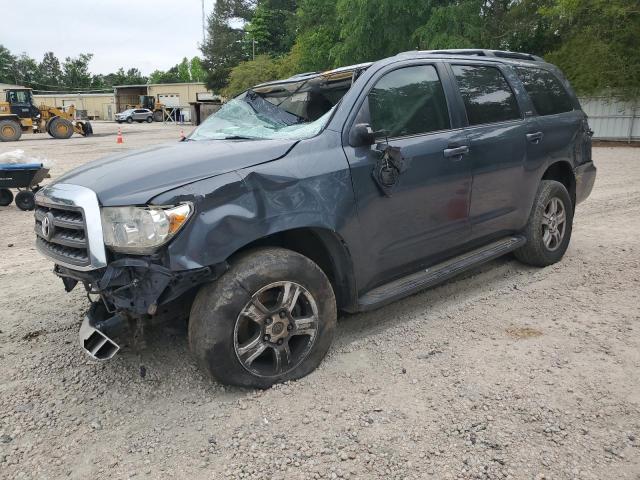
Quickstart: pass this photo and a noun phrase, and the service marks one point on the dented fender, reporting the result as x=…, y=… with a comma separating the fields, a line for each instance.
x=310, y=187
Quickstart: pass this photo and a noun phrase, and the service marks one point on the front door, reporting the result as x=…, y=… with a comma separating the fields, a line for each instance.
x=423, y=210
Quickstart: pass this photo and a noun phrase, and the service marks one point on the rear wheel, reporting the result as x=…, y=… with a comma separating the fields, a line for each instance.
x=548, y=230
x=25, y=200
x=60, y=128
x=6, y=197
x=270, y=318
x=10, y=131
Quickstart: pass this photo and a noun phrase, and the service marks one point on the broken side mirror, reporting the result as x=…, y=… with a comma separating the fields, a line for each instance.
x=361, y=135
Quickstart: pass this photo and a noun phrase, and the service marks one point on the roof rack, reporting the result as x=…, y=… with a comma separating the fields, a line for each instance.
x=479, y=52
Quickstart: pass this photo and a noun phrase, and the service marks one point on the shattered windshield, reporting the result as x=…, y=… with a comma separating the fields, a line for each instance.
x=291, y=110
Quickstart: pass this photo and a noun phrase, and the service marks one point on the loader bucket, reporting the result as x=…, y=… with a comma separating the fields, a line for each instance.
x=86, y=129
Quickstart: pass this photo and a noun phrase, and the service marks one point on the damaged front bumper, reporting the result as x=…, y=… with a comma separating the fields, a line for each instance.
x=131, y=291
x=137, y=286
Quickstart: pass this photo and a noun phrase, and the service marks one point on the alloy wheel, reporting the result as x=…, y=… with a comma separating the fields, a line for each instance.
x=276, y=329
x=554, y=223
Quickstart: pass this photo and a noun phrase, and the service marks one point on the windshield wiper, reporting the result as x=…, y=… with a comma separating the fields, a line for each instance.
x=239, y=137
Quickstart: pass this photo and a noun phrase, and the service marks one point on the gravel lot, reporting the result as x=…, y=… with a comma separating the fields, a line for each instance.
x=507, y=372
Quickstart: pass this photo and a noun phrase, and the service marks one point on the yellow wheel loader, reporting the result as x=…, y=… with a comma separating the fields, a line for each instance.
x=19, y=114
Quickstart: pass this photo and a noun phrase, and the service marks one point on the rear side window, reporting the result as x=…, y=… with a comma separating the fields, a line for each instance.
x=409, y=101
x=545, y=90
x=487, y=96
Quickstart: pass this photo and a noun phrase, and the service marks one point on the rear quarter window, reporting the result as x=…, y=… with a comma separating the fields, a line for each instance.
x=487, y=95
x=547, y=93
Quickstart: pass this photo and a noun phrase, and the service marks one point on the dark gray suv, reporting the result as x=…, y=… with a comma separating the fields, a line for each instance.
x=341, y=190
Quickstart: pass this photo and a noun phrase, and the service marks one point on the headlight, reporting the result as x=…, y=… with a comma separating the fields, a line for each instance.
x=141, y=230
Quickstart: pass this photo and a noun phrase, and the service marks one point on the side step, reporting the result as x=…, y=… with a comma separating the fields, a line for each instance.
x=415, y=282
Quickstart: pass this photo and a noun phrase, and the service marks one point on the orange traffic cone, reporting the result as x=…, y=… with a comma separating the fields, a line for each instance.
x=119, y=137
x=181, y=134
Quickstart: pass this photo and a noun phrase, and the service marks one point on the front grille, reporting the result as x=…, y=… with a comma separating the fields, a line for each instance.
x=67, y=242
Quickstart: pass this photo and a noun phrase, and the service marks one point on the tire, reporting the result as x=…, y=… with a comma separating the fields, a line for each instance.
x=129, y=120
x=158, y=115
x=547, y=235
x=26, y=200
x=60, y=128
x=6, y=197
x=10, y=131
x=149, y=119
x=220, y=334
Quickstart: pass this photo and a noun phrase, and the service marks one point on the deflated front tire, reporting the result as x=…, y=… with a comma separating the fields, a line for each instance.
x=270, y=318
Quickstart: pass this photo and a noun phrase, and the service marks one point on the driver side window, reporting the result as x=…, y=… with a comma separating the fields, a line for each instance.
x=409, y=101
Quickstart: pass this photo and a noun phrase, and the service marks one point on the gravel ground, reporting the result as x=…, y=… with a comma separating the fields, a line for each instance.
x=506, y=372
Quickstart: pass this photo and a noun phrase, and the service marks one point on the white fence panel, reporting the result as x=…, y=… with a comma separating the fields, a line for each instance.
x=613, y=119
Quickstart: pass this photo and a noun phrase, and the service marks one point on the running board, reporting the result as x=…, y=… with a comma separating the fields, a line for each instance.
x=415, y=282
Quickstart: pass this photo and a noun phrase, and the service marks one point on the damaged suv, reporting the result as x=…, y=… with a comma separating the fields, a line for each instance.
x=342, y=190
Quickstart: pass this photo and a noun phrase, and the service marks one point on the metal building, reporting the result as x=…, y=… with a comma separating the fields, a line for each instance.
x=613, y=119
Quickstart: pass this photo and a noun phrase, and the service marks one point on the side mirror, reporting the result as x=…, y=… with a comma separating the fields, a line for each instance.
x=361, y=135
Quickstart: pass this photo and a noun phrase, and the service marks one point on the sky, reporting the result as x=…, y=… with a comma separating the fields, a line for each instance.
x=146, y=34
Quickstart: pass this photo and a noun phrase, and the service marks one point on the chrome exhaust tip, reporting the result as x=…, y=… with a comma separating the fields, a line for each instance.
x=96, y=343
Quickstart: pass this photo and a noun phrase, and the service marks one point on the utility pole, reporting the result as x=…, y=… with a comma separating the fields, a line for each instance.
x=203, y=28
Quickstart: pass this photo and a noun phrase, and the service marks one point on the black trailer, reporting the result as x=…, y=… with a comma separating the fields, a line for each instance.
x=24, y=177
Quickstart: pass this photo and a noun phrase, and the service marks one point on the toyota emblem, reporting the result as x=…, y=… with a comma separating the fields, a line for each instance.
x=47, y=226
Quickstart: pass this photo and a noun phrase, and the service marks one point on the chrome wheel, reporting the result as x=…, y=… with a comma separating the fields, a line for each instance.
x=276, y=329
x=554, y=223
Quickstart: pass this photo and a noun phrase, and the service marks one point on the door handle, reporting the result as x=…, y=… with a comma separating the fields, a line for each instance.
x=535, y=137
x=456, y=152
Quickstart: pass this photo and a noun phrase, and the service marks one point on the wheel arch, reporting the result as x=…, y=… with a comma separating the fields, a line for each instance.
x=323, y=246
x=562, y=171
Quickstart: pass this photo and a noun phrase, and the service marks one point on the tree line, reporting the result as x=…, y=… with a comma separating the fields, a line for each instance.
x=73, y=73
x=595, y=42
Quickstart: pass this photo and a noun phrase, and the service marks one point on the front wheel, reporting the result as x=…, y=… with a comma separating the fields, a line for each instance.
x=129, y=120
x=270, y=318
x=149, y=119
x=548, y=230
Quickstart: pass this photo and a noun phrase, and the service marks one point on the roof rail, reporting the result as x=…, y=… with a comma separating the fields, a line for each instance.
x=480, y=52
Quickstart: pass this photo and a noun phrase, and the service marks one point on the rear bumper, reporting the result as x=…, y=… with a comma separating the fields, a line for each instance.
x=585, y=178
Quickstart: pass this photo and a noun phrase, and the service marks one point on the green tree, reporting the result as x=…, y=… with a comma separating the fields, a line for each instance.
x=183, y=70
x=318, y=35
x=272, y=26
x=7, y=66
x=198, y=73
x=226, y=44
x=26, y=70
x=373, y=29
x=170, y=76
x=75, y=71
x=598, y=48
x=49, y=72
x=252, y=72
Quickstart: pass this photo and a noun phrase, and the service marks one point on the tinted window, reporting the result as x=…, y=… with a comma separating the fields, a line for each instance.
x=409, y=101
x=487, y=96
x=545, y=90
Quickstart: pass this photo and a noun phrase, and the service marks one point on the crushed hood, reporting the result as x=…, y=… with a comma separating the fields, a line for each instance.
x=134, y=177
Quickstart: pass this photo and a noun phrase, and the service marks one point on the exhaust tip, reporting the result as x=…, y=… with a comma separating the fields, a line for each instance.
x=95, y=343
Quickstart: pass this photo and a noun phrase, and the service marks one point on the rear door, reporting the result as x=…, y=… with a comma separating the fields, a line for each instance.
x=496, y=130
x=558, y=128
x=424, y=211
